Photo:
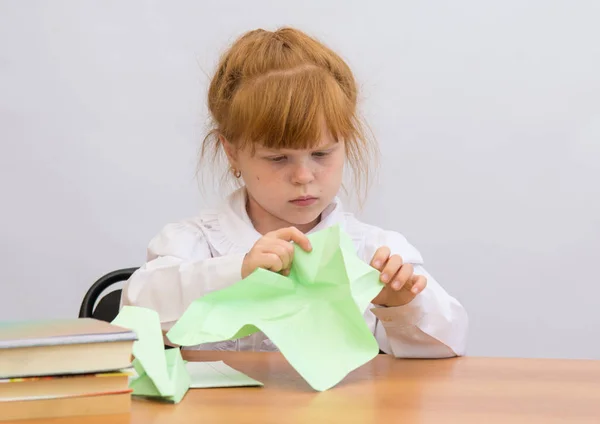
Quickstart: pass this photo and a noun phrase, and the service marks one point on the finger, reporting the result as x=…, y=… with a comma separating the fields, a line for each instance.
x=280, y=251
x=419, y=284
x=380, y=258
x=285, y=250
x=391, y=268
x=271, y=262
x=295, y=235
x=403, y=276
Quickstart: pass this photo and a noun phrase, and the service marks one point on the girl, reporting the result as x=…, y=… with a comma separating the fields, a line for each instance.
x=284, y=108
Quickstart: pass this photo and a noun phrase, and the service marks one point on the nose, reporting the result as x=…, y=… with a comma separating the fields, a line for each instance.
x=302, y=174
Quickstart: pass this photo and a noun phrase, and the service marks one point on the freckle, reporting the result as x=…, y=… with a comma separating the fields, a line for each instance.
x=258, y=178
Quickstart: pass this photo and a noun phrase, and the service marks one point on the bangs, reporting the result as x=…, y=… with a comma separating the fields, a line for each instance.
x=287, y=109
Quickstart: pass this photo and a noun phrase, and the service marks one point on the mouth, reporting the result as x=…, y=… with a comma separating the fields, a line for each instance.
x=304, y=200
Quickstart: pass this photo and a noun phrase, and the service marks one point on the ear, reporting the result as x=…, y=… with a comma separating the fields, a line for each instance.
x=230, y=150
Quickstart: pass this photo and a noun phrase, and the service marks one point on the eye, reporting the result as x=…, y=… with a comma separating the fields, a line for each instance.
x=320, y=154
x=276, y=159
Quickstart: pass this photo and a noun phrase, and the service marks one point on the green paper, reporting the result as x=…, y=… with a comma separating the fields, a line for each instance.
x=217, y=374
x=161, y=373
x=314, y=315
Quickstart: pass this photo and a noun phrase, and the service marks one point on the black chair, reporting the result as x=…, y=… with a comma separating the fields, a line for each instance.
x=108, y=306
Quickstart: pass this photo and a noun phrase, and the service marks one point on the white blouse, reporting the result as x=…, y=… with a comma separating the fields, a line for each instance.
x=191, y=258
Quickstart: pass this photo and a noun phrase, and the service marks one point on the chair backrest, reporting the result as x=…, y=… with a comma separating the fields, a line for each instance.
x=108, y=306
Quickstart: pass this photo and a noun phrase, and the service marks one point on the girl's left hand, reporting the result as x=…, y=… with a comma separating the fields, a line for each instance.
x=401, y=284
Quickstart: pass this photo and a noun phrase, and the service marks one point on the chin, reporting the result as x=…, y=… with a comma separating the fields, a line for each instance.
x=298, y=222
x=303, y=217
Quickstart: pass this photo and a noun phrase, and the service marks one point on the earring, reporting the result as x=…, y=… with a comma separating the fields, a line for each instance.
x=236, y=172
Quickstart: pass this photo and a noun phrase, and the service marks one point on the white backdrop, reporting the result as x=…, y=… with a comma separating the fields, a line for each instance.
x=488, y=116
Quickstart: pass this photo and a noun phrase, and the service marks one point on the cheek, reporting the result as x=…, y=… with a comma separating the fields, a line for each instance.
x=329, y=177
x=333, y=170
x=254, y=171
x=261, y=178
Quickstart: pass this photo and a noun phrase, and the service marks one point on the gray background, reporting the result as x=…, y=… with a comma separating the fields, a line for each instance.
x=487, y=113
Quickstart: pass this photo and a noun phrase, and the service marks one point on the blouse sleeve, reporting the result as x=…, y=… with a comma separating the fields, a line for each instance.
x=433, y=325
x=179, y=269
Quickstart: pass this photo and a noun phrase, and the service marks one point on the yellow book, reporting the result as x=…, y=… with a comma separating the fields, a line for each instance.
x=57, y=347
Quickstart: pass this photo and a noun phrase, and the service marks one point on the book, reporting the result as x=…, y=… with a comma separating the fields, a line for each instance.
x=114, y=403
x=68, y=346
x=50, y=387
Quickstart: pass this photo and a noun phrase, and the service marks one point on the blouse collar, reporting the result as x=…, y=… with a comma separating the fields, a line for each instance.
x=238, y=229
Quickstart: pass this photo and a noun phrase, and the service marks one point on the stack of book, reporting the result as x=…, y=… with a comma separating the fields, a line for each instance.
x=62, y=368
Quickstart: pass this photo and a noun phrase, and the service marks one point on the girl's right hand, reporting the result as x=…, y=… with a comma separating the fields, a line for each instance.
x=274, y=252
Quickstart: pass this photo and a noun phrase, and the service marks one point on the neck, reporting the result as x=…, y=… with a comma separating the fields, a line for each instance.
x=264, y=222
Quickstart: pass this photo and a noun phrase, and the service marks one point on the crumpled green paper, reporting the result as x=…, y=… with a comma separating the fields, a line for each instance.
x=314, y=315
x=205, y=375
x=162, y=374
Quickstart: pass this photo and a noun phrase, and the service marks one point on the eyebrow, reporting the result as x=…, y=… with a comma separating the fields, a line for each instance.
x=319, y=149
x=329, y=146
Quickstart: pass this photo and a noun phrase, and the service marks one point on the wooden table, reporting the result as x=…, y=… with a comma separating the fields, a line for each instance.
x=387, y=390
